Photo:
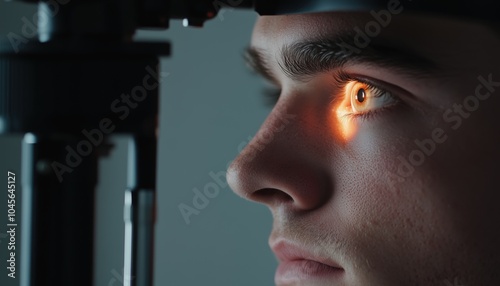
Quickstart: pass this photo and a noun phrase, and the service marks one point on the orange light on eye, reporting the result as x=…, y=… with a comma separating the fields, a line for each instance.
x=356, y=99
x=360, y=96
x=346, y=127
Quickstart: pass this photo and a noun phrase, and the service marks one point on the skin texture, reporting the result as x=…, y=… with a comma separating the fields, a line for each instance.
x=347, y=196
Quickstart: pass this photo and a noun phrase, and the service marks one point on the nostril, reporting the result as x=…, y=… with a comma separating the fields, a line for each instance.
x=270, y=196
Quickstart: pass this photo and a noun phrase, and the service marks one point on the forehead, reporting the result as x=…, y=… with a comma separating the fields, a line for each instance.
x=291, y=28
x=441, y=39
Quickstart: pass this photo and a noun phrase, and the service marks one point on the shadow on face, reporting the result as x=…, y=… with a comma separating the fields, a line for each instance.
x=379, y=157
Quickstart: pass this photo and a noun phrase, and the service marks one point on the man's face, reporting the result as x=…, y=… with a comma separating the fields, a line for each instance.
x=379, y=160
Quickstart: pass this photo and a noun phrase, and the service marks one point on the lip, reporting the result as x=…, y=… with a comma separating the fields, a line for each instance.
x=299, y=265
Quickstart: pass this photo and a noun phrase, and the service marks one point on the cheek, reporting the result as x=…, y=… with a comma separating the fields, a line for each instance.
x=418, y=205
x=398, y=220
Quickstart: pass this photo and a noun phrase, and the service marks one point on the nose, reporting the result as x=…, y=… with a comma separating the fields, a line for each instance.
x=284, y=164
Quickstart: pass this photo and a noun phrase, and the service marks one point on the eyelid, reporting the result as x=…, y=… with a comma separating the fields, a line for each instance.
x=272, y=90
x=341, y=78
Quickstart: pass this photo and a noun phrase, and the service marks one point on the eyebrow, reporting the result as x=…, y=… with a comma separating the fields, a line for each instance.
x=302, y=60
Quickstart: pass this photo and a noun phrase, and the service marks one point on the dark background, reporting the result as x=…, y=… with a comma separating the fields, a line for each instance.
x=210, y=105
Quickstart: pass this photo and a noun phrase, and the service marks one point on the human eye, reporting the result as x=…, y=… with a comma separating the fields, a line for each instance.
x=362, y=98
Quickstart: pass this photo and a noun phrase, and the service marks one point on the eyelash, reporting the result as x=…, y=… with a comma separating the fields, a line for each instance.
x=341, y=78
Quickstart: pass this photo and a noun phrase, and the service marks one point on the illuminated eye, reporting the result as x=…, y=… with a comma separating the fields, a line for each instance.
x=364, y=98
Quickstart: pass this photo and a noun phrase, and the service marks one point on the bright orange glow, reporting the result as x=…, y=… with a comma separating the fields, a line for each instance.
x=345, y=125
x=351, y=104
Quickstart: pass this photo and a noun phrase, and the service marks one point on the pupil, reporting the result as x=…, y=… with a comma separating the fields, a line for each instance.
x=361, y=95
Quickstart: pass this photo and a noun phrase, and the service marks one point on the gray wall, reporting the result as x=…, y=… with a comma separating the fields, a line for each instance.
x=210, y=105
